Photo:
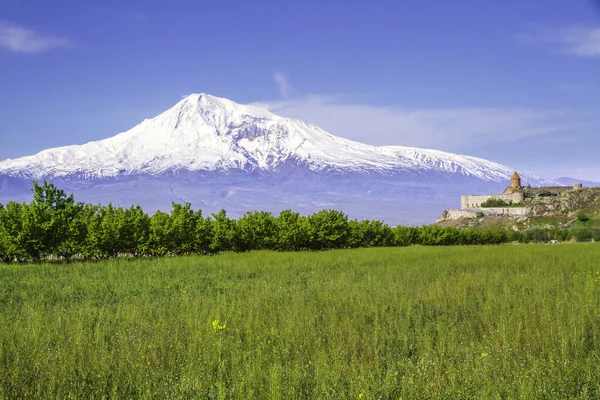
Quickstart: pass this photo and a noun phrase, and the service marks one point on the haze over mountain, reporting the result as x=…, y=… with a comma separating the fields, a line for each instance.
x=217, y=154
x=566, y=181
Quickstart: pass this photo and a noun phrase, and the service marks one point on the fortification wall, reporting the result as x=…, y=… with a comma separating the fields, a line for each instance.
x=472, y=212
x=507, y=211
x=469, y=202
x=456, y=214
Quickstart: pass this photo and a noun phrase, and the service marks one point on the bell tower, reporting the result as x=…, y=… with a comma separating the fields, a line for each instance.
x=515, y=181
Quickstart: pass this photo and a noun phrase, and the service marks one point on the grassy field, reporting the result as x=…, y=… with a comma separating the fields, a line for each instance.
x=412, y=323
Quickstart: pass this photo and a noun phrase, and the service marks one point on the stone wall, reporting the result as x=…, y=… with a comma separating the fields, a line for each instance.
x=456, y=214
x=472, y=212
x=507, y=211
x=469, y=202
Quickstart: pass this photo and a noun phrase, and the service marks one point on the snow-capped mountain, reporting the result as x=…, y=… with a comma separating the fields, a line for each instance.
x=207, y=133
x=210, y=142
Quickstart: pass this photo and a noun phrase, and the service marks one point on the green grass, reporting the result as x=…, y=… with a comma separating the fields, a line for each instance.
x=558, y=221
x=412, y=323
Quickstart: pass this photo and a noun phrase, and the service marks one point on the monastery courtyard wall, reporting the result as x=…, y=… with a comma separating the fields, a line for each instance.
x=468, y=202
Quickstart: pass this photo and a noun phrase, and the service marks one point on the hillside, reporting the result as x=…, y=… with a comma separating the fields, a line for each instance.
x=577, y=208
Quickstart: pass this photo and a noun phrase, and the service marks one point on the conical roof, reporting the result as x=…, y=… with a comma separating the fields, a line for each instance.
x=515, y=176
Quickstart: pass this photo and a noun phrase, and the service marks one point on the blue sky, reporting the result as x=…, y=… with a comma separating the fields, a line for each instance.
x=513, y=81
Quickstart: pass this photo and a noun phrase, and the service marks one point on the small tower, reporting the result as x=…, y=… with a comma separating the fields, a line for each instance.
x=515, y=185
x=515, y=181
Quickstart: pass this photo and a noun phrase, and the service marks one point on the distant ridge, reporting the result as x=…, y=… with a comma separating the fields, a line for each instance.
x=571, y=181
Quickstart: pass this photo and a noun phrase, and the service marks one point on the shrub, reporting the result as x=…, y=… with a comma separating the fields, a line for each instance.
x=583, y=235
x=494, y=203
x=536, y=235
x=544, y=192
x=500, y=203
x=582, y=217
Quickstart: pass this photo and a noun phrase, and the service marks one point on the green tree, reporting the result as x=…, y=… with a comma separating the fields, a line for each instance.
x=256, y=231
x=223, y=233
x=370, y=234
x=72, y=226
x=292, y=231
x=136, y=231
x=437, y=236
x=52, y=196
x=328, y=229
x=90, y=216
x=46, y=223
x=181, y=229
x=10, y=233
x=406, y=235
x=203, y=237
x=107, y=232
x=158, y=242
x=38, y=235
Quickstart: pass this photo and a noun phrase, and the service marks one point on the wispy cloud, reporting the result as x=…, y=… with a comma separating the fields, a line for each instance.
x=122, y=14
x=532, y=138
x=23, y=40
x=133, y=15
x=589, y=173
x=575, y=88
x=579, y=41
x=285, y=87
x=445, y=129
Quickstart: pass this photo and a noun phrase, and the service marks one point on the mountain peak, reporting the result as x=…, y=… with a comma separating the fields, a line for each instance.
x=213, y=108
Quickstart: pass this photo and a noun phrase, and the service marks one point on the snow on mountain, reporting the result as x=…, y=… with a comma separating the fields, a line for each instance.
x=207, y=133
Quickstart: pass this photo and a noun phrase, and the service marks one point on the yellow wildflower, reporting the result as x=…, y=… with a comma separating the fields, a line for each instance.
x=218, y=326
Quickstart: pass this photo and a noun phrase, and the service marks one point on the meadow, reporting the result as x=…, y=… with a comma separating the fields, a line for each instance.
x=467, y=322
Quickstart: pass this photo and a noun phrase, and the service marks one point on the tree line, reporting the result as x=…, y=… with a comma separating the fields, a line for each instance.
x=55, y=226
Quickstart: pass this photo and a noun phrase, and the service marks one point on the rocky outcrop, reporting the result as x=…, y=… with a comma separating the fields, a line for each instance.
x=561, y=207
x=567, y=204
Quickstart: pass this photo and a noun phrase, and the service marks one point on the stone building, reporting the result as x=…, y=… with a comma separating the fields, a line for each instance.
x=515, y=184
x=516, y=197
